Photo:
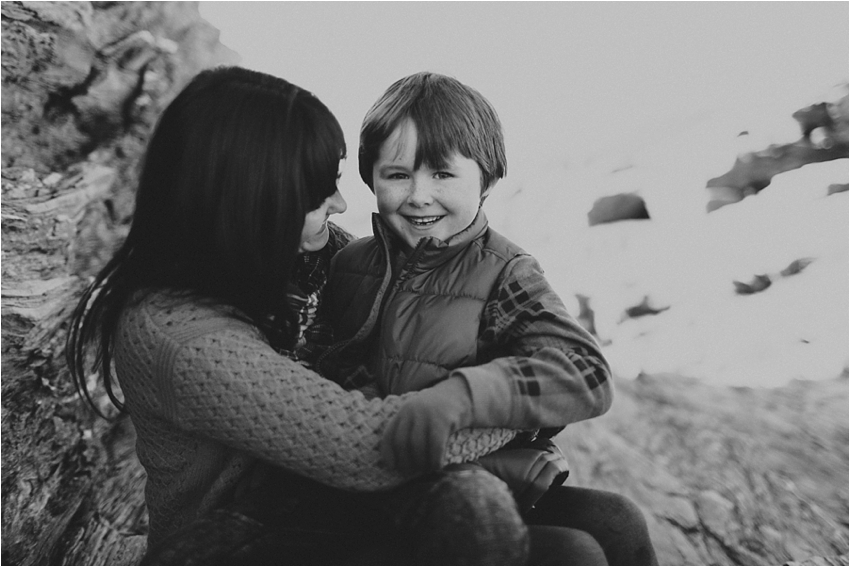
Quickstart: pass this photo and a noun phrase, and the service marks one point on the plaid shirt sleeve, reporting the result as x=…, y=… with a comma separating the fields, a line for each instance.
x=544, y=370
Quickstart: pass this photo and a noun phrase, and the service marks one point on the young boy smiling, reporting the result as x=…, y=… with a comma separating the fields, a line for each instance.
x=435, y=293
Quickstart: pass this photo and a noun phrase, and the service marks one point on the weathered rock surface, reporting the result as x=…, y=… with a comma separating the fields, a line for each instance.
x=726, y=476
x=82, y=86
x=824, y=137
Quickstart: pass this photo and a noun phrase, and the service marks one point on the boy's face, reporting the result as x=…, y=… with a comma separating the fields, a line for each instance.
x=424, y=202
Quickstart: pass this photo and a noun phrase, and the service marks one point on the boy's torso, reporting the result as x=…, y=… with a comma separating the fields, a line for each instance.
x=423, y=318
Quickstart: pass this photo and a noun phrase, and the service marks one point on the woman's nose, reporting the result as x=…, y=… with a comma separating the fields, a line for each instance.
x=337, y=204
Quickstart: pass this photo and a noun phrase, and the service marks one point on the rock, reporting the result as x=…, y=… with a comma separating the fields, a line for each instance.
x=586, y=317
x=642, y=309
x=820, y=560
x=837, y=188
x=78, y=74
x=813, y=117
x=796, y=267
x=759, y=283
x=723, y=474
x=716, y=513
x=824, y=138
x=613, y=208
x=680, y=512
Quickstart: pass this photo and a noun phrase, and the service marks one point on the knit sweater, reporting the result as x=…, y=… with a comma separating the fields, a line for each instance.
x=209, y=399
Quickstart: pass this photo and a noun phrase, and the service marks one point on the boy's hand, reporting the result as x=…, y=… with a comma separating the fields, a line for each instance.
x=529, y=472
x=416, y=437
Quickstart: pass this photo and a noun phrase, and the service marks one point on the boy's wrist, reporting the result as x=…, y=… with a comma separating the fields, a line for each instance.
x=456, y=391
x=489, y=398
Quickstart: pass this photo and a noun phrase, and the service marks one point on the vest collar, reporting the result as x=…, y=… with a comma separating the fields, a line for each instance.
x=431, y=252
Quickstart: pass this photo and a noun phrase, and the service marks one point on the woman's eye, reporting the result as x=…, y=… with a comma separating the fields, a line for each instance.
x=397, y=176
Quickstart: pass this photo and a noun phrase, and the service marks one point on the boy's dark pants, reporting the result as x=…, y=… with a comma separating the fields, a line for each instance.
x=613, y=521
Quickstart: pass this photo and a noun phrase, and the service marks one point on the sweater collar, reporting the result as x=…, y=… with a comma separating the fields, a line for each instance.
x=430, y=252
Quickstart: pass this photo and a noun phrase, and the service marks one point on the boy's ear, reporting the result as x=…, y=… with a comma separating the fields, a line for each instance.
x=486, y=192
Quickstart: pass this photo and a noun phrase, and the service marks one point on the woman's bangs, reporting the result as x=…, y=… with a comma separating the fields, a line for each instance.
x=327, y=148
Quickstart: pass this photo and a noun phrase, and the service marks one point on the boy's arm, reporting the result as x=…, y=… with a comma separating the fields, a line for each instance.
x=549, y=372
x=552, y=371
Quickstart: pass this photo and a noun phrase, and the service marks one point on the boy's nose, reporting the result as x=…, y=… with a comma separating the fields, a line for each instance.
x=337, y=204
x=420, y=194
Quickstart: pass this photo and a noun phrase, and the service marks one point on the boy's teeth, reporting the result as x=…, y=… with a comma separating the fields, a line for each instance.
x=422, y=221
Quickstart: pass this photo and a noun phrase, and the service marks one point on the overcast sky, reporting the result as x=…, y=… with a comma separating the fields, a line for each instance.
x=571, y=81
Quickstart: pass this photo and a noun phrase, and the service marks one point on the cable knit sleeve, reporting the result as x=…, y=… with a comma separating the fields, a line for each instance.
x=220, y=380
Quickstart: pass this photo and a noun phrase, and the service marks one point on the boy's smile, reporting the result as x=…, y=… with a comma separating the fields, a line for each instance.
x=423, y=202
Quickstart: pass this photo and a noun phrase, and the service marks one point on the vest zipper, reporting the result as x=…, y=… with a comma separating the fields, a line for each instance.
x=404, y=274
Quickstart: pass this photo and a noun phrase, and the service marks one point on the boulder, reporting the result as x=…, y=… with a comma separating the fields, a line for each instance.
x=613, y=208
x=824, y=138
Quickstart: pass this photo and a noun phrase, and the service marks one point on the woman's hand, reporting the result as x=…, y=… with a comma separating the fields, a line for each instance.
x=416, y=437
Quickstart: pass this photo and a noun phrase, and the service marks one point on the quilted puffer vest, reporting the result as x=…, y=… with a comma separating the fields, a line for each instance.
x=428, y=313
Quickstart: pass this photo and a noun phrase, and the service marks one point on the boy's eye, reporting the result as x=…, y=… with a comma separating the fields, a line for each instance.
x=443, y=175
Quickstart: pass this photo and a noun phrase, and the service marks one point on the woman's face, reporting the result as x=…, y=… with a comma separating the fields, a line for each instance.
x=314, y=235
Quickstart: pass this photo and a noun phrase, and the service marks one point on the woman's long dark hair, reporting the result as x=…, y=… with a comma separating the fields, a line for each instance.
x=235, y=163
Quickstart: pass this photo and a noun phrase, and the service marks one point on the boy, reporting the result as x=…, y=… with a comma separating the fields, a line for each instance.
x=435, y=291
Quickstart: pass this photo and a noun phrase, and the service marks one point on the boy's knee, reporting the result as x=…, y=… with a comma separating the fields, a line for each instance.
x=554, y=545
x=470, y=517
x=623, y=514
x=627, y=529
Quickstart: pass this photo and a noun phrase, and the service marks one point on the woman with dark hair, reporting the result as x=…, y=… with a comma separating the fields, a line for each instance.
x=250, y=456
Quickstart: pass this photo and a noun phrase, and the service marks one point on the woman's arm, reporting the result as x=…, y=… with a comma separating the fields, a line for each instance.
x=231, y=386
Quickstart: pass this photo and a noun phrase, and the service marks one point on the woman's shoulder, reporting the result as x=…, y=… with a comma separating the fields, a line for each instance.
x=338, y=237
x=181, y=317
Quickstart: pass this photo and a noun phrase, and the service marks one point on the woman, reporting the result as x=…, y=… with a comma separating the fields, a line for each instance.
x=251, y=457
x=219, y=275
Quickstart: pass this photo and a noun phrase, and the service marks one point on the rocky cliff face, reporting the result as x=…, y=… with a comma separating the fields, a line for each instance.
x=83, y=83
x=725, y=476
